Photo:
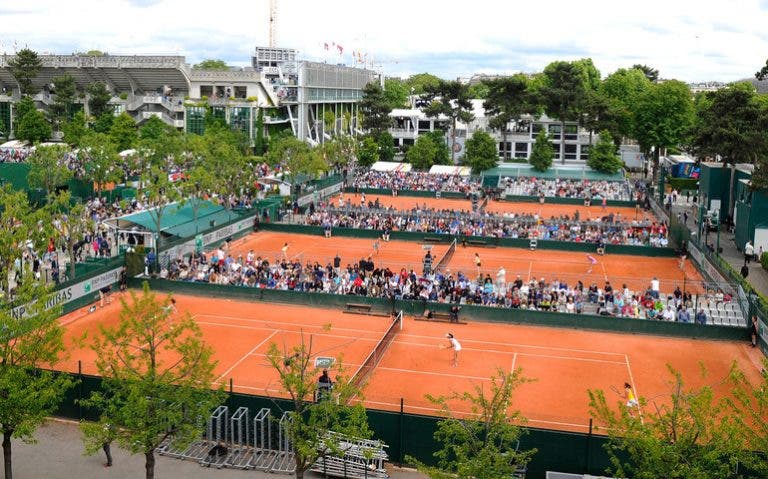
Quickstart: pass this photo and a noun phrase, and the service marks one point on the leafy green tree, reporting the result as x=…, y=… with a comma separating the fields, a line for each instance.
x=443, y=153
x=622, y=88
x=484, y=444
x=375, y=109
x=259, y=144
x=212, y=65
x=98, y=99
x=75, y=129
x=47, y=169
x=663, y=118
x=451, y=99
x=103, y=123
x=386, y=146
x=601, y=113
x=748, y=406
x=542, y=152
x=688, y=435
x=650, y=73
x=101, y=164
x=603, y=156
x=763, y=72
x=233, y=171
x=33, y=127
x=311, y=420
x=64, y=100
x=22, y=107
x=563, y=94
x=733, y=126
x=339, y=152
x=158, y=374
x=77, y=220
x=479, y=91
x=31, y=335
x=154, y=129
x=419, y=83
x=123, y=132
x=396, y=93
x=481, y=153
x=423, y=152
x=329, y=122
x=508, y=98
x=25, y=67
x=367, y=151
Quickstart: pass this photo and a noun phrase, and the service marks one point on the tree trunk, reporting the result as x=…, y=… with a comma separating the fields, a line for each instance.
x=7, y=453
x=149, y=465
x=453, y=143
x=562, y=142
x=71, y=251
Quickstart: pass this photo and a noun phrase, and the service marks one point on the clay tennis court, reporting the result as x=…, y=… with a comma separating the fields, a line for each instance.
x=564, y=363
x=634, y=271
x=546, y=210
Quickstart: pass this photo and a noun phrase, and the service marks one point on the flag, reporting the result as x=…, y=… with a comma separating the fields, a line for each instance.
x=341, y=49
x=326, y=45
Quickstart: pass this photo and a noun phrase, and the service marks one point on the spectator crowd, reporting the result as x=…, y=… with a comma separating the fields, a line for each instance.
x=567, y=188
x=415, y=180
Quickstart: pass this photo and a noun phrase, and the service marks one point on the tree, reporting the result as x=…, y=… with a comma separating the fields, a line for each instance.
x=422, y=154
x=234, y=173
x=542, y=153
x=603, y=156
x=123, y=132
x=375, y=109
x=311, y=420
x=47, y=169
x=98, y=98
x=367, y=151
x=329, y=122
x=75, y=223
x=483, y=444
x=212, y=65
x=663, y=117
x=749, y=408
x=75, y=129
x=396, y=93
x=339, y=152
x=732, y=125
x=480, y=153
x=259, y=144
x=451, y=99
x=650, y=73
x=419, y=83
x=22, y=107
x=443, y=153
x=103, y=123
x=479, y=91
x=33, y=127
x=386, y=146
x=24, y=67
x=158, y=374
x=31, y=335
x=563, y=93
x=508, y=98
x=64, y=100
x=101, y=162
x=154, y=129
x=622, y=88
x=688, y=435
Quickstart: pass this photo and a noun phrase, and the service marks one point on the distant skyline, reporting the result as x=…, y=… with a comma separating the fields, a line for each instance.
x=693, y=41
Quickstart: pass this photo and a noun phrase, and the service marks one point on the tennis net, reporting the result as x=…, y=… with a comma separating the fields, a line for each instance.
x=446, y=257
x=484, y=203
x=374, y=358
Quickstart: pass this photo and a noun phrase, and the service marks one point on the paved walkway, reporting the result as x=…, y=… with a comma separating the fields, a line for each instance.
x=59, y=454
x=758, y=276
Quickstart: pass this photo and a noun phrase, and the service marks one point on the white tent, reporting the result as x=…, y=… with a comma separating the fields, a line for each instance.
x=450, y=170
x=126, y=153
x=391, y=166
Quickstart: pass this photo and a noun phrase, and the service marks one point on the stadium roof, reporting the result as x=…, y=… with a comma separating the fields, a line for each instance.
x=566, y=172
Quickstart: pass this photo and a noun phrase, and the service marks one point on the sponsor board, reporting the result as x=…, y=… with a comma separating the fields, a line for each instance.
x=74, y=292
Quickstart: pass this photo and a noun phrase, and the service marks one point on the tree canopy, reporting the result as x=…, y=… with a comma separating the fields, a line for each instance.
x=480, y=152
x=98, y=98
x=542, y=153
x=423, y=152
x=452, y=100
x=603, y=156
x=212, y=65
x=25, y=67
x=375, y=108
x=33, y=127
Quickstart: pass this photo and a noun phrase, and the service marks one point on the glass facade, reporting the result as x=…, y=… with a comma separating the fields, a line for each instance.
x=196, y=119
x=5, y=118
x=240, y=119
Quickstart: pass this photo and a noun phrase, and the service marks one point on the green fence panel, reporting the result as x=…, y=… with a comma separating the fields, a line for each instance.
x=567, y=201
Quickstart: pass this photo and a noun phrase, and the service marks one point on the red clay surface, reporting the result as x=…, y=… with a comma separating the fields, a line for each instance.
x=547, y=210
x=564, y=363
x=634, y=271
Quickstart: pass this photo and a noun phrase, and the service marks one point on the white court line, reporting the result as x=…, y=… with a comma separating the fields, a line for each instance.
x=514, y=360
x=530, y=269
x=605, y=274
x=431, y=373
x=300, y=325
x=465, y=340
x=246, y=355
x=256, y=328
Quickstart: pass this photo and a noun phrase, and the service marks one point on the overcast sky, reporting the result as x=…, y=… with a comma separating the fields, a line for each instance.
x=685, y=39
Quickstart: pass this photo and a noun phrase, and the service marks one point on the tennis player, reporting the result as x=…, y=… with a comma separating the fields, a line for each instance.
x=592, y=262
x=454, y=344
x=170, y=307
x=630, y=395
x=477, y=262
x=285, y=250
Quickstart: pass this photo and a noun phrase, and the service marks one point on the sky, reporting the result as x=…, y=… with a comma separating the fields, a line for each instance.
x=688, y=40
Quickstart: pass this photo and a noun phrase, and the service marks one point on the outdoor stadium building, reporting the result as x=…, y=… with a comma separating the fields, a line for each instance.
x=311, y=99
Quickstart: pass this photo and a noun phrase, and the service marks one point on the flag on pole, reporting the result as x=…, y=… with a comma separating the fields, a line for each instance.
x=341, y=49
x=325, y=45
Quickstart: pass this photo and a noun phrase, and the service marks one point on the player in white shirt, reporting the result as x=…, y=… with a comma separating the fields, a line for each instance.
x=456, y=346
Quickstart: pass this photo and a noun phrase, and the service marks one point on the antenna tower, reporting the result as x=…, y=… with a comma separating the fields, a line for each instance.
x=272, y=23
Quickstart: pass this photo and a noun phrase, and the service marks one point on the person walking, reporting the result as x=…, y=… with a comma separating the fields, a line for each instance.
x=753, y=330
x=744, y=271
x=749, y=252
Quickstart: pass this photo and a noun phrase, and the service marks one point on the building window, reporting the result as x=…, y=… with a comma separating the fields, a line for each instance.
x=240, y=119
x=554, y=132
x=206, y=90
x=241, y=92
x=195, y=119
x=584, y=155
x=423, y=125
x=521, y=150
x=571, y=132
x=570, y=151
